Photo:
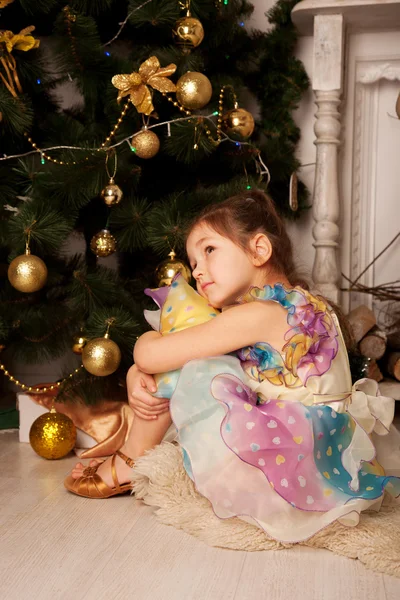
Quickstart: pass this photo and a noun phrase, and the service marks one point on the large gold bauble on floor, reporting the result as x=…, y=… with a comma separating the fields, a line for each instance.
x=112, y=193
x=27, y=273
x=79, y=342
x=101, y=356
x=52, y=435
x=103, y=243
x=188, y=32
x=145, y=144
x=193, y=90
x=238, y=121
x=167, y=270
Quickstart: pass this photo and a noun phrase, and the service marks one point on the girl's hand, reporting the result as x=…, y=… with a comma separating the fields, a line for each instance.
x=143, y=404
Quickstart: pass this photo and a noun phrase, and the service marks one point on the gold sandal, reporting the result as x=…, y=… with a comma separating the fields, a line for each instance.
x=91, y=485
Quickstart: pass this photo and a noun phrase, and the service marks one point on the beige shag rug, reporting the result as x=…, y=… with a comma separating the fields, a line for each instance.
x=160, y=480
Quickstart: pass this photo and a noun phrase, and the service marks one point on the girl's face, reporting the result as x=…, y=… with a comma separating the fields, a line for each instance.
x=222, y=270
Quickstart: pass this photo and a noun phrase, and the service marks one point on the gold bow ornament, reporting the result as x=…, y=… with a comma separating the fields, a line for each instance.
x=10, y=41
x=137, y=85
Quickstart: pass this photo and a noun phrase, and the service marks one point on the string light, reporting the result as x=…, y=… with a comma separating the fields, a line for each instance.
x=44, y=156
x=126, y=20
x=38, y=390
x=222, y=137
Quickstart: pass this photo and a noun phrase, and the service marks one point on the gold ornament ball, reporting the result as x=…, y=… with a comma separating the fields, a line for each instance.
x=193, y=90
x=111, y=194
x=103, y=243
x=188, y=32
x=101, y=356
x=145, y=144
x=79, y=343
x=238, y=121
x=52, y=435
x=167, y=270
x=27, y=273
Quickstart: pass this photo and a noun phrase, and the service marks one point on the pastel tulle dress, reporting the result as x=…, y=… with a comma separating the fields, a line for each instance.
x=280, y=439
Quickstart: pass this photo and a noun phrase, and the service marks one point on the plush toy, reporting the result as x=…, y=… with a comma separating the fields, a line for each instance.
x=180, y=306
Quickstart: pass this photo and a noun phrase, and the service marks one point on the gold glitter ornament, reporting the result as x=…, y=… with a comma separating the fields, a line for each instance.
x=52, y=435
x=112, y=193
x=188, y=32
x=238, y=121
x=27, y=273
x=193, y=90
x=101, y=356
x=167, y=270
x=79, y=342
x=103, y=243
x=145, y=144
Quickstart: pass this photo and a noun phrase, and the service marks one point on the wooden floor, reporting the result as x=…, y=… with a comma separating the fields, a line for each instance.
x=54, y=545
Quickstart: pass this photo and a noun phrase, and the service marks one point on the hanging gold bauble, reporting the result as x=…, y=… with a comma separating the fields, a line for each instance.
x=79, y=342
x=103, y=243
x=238, y=121
x=112, y=193
x=27, y=273
x=193, y=90
x=101, y=356
x=52, y=435
x=167, y=270
x=145, y=144
x=188, y=32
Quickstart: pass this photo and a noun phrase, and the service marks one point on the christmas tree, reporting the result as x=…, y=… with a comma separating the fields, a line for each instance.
x=161, y=124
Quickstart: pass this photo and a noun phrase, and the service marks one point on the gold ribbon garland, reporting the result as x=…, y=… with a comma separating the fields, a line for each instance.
x=137, y=85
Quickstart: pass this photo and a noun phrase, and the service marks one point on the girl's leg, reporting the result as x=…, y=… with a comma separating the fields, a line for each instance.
x=143, y=436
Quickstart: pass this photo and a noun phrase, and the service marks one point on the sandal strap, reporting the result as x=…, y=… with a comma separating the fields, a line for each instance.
x=129, y=461
x=114, y=474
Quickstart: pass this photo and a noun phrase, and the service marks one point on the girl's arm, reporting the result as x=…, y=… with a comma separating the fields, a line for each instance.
x=235, y=328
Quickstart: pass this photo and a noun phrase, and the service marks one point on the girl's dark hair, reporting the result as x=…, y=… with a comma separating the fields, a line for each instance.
x=240, y=217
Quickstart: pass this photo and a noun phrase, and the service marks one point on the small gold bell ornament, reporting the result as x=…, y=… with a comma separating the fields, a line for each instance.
x=27, y=273
x=101, y=356
x=52, y=435
x=238, y=121
x=103, y=243
x=188, y=32
x=145, y=144
x=193, y=90
x=112, y=193
x=167, y=270
x=79, y=342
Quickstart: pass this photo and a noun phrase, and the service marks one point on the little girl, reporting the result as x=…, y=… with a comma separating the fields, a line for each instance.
x=274, y=433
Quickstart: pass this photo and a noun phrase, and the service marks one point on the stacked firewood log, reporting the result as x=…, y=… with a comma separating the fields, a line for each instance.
x=382, y=350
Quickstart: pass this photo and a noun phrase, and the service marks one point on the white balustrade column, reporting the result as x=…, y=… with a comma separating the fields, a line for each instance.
x=327, y=86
